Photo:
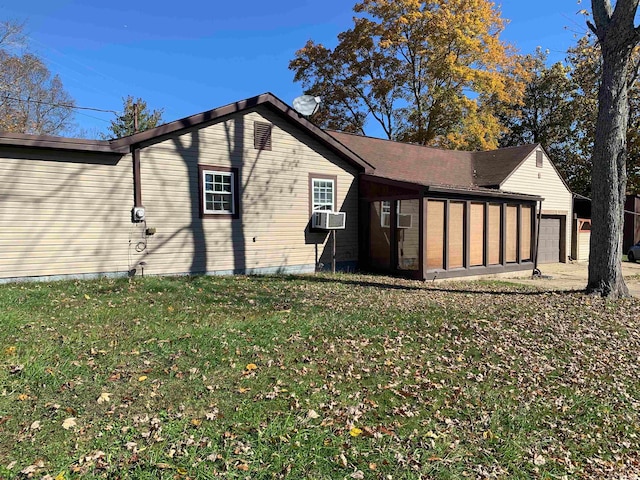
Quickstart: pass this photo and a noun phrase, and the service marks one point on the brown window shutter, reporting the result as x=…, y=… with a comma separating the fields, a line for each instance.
x=262, y=135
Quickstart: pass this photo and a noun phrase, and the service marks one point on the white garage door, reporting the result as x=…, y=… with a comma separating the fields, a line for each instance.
x=549, y=248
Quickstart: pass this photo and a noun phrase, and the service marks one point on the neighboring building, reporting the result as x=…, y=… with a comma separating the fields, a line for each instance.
x=582, y=225
x=232, y=190
x=631, y=232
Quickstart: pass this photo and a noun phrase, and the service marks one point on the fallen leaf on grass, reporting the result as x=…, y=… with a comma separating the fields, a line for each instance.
x=243, y=390
x=359, y=475
x=35, y=425
x=69, y=423
x=142, y=378
x=23, y=396
x=15, y=369
x=251, y=366
x=244, y=467
x=31, y=469
x=104, y=397
x=355, y=432
x=539, y=460
x=312, y=414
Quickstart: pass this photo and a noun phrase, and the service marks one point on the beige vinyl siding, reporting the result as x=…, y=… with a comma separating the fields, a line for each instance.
x=271, y=231
x=545, y=182
x=64, y=214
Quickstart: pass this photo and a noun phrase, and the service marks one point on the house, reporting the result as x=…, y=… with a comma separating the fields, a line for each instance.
x=471, y=212
x=233, y=190
x=225, y=191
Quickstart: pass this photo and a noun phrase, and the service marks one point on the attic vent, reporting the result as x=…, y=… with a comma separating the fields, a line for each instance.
x=262, y=135
x=539, y=158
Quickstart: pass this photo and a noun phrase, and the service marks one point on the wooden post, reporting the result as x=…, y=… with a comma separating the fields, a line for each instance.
x=536, y=272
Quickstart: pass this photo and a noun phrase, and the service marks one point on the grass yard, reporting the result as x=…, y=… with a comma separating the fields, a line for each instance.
x=323, y=377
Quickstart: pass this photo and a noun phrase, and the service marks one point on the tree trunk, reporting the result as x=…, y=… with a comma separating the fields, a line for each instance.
x=609, y=176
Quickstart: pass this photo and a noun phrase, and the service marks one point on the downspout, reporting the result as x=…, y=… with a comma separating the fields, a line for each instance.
x=137, y=213
x=536, y=273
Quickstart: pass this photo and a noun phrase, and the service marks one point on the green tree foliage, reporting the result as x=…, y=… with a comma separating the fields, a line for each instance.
x=32, y=100
x=124, y=123
x=586, y=70
x=418, y=69
x=548, y=114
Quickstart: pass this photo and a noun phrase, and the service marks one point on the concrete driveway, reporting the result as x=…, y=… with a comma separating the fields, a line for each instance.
x=573, y=276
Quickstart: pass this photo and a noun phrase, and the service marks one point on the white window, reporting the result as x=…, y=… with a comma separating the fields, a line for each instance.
x=385, y=214
x=219, y=191
x=323, y=194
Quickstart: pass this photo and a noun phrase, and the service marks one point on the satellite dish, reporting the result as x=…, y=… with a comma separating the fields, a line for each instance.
x=306, y=104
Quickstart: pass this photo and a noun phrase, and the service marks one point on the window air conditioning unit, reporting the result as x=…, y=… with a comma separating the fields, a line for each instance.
x=326, y=220
x=404, y=220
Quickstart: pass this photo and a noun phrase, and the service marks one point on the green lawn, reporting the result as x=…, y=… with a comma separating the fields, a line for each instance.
x=323, y=377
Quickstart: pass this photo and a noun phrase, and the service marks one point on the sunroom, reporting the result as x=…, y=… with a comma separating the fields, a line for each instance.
x=427, y=232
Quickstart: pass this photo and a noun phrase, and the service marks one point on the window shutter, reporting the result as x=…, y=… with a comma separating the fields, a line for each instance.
x=262, y=135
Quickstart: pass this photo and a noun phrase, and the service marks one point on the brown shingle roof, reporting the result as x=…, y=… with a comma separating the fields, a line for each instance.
x=434, y=166
x=494, y=166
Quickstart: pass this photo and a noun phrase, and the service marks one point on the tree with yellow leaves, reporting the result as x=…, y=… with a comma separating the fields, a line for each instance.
x=418, y=69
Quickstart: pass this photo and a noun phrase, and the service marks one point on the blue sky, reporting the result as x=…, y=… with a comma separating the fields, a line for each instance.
x=197, y=55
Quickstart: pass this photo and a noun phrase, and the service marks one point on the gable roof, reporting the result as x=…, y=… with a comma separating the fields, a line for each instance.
x=493, y=167
x=139, y=140
x=267, y=100
x=435, y=166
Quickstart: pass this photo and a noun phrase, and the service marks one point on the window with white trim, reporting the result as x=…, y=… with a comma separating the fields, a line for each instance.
x=323, y=194
x=385, y=214
x=219, y=192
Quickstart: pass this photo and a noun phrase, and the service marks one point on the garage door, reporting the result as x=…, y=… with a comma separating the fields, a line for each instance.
x=549, y=249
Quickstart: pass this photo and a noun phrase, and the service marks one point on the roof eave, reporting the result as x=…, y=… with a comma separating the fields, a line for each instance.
x=49, y=142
